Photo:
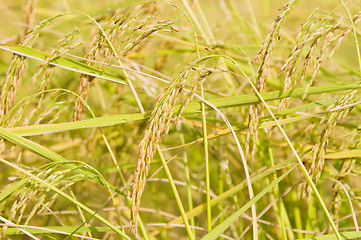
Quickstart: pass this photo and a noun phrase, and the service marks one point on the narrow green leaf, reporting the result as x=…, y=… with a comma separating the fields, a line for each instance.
x=192, y=108
x=62, y=62
x=248, y=99
x=230, y=192
x=217, y=231
x=52, y=156
x=31, y=146
x=84, y=124
x=344, y=154
x=5, y=193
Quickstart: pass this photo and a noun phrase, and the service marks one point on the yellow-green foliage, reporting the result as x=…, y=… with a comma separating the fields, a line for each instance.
x=181, y=119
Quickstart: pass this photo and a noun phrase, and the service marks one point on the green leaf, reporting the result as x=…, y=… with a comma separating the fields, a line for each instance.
x=217, y=231
x=344, y=154
x=52, y=156
x=192, y=108
x=61, y=62
x=5, y=193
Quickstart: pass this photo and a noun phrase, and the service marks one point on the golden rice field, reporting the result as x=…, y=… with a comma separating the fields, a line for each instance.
x=181, y=119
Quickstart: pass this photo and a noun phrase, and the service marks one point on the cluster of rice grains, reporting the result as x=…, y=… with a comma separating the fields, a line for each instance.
x=117, y=38
x=263, y=72
x=20, y=211
x=122, y=32
x=158, y=125
x=320, y=36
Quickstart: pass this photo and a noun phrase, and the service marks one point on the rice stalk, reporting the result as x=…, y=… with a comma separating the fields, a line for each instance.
x=158, y=125
x=66, y=196
x=28, y=19
x=131, y=48
x=318, y=151
x=16, y=70
x=265, y=52
x=33, y=199
x=117, y=38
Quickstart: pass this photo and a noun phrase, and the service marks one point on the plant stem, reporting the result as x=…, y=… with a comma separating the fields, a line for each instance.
x=206, y=159
x=176, y=194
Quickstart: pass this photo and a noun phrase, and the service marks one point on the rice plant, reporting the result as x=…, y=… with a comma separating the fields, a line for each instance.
x=180, y=119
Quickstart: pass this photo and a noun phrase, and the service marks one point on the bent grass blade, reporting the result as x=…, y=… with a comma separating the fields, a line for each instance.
x=61, y=62
x=53, y=156
x=192, y=108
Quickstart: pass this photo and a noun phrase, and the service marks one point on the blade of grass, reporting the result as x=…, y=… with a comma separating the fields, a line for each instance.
x=5, y=193
x=61, y=62
x=354, y=34
x=175, y=193
x=299, y=161
x=202, y=207
x=50, y=155
x=206, y=159
x=281, y=216
x=192, y=108
x=217, y=231
x=297, y=214
x=187, y=179
x=354, y=153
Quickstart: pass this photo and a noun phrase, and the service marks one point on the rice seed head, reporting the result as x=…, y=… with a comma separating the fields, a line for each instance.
x=100, y=51
x=158, y=125
x=318, y=151
x=265, y=53
x=205, y=72
x=28, y=201
x=18, y=65
x=28, y=19
x=274, y=34
x=121, y=30
x=344, y=171
x=323, y=34
x=11, y=82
